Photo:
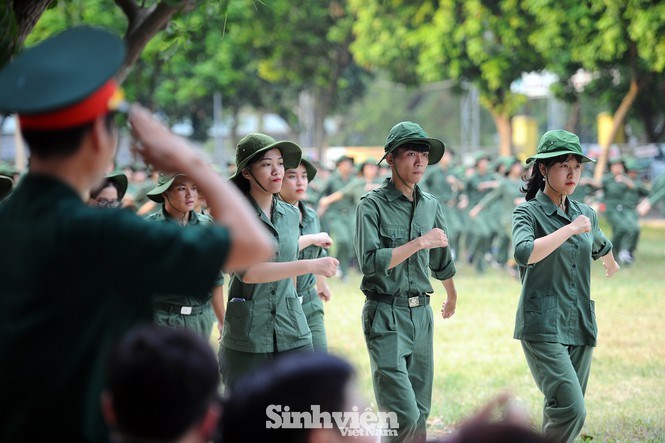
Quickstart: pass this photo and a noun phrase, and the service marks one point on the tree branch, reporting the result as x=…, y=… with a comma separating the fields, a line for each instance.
x=130, y=8
x=148, y=23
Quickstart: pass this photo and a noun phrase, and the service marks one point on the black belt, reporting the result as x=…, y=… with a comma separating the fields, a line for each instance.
x=178, y=309
x=411, y=302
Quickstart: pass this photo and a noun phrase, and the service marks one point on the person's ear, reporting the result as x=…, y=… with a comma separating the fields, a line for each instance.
x=390, y=159
x=108, y=412
x=245, y=173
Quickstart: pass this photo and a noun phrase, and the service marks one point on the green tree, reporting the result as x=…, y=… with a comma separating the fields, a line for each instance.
x=475, y=41
x=303, y=49
x=617, y=39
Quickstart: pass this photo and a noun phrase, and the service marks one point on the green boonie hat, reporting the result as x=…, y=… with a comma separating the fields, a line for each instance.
x=615, y=160
x=6, y=185
x=310, y=168
x=255, y=144
x=164, y=182
x=558, y=142
x=120, y=180
x=60, y=71
x=409, y=132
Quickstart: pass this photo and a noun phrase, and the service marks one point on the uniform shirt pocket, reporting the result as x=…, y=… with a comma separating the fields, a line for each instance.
x=392, y=235
x=541, y=314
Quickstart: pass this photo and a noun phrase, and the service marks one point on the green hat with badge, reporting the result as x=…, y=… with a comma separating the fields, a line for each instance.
x=558, y=142
x=6, y=185
x=410, y=132
x=64, y=81
x=257, y=144
x=164, y=182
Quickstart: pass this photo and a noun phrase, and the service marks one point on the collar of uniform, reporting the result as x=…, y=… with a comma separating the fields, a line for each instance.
x=192, y=220
x=548, y=205
x=276, y=208
x=393, y=193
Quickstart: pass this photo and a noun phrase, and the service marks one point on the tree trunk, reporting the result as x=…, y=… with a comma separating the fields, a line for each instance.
x=574, y=117
x=617, y=122
x=505, y=130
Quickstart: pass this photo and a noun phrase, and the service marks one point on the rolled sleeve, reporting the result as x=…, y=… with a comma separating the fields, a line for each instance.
x=373, y=259
x=601, y=244
x=523, y=235
x=441, y=260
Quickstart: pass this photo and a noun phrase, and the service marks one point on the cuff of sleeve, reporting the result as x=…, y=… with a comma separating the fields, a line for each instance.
x=382, y=261
x=523, y=252
x=607, y=247
x=445, y=273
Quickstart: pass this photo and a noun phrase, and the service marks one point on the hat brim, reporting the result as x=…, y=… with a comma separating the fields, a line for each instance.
x=436, y=148
x=544, y=155
x=6, y=185
x=121, y=182
x=155, y=194
x=310, y=168
x=291, y=154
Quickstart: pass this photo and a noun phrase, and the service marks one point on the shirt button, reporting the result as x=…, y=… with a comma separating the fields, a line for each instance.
x=272, y=311
x=272, y=292
x=575, y=246
x=574, y=265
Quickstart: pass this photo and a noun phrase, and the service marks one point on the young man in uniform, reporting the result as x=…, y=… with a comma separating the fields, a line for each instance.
x=76, y=278
x=400, y=238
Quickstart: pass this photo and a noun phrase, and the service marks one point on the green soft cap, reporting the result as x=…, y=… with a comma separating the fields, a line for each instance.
x=164, y=182
x=409, y=132
x=558, y=142
x=256, y=144
x=120, y=180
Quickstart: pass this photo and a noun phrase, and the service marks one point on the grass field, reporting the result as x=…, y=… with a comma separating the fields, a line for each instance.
x=476, y=357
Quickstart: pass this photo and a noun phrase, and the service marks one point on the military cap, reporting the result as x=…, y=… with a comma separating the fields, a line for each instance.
x=256, y=144
x=410, y=132
x=6, y=185
x=558, y=142
x=164, y=182
x=64, y=81
x=368, y=161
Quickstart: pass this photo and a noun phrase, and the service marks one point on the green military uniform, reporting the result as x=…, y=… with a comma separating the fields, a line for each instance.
x=503, y=200
x=312, y=305
x=397, y=318
x=175, y=311
x=621, y=213
x=399, y=337
x=339, y=220
x=436, y=183
x=657, y=193
x=482, y=226
x=556, y=319
x=75, y=278
x=264, y=319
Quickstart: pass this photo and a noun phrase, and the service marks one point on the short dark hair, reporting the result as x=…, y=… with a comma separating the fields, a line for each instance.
x=298, y=380
x=62, y=142
x=161, y=381
x=412, y=146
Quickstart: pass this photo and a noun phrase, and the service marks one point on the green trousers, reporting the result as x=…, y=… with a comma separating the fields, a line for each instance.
x=399, y=342
x=234, y=364
x=312, y=306
x=561, y=373
x=200, y=321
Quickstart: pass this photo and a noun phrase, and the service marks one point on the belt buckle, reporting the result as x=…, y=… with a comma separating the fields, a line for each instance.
x=186, y=310
x=414, y=301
